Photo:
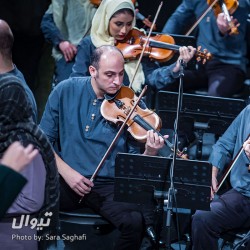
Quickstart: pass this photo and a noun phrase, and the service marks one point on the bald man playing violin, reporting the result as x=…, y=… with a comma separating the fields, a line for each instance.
x=72, y=116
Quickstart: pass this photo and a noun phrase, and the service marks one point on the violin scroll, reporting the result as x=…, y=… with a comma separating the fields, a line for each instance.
x=203, y=56
x=182, y=155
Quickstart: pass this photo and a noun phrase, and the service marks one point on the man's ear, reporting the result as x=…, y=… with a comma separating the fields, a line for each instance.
x=92, y=71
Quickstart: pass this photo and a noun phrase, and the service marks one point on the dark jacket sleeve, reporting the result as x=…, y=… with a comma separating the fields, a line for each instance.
x=158, y=77
x=50, y=31
x=11, y=183
x=83, y=57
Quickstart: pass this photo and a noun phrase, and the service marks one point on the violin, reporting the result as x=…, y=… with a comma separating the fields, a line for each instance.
x=231, y=6
x=228, y=7
x=116, y=110
x=96, y=2
x=219, y=6
x=160, y=47
x=124, y=105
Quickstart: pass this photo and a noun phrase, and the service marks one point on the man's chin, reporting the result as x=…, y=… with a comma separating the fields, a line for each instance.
x=112, y=91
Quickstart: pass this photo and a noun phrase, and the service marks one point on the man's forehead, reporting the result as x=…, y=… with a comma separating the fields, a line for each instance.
x=111, y=53
x=111, y=62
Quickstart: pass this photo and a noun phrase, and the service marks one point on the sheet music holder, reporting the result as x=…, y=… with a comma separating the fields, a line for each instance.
x=138, y=178
x=213, y=114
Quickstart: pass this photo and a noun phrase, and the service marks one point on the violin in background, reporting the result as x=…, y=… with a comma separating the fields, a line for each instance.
x=160, y=47
x=228, y=7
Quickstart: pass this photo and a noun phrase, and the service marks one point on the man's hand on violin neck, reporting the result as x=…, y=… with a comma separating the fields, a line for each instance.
x=154, y=143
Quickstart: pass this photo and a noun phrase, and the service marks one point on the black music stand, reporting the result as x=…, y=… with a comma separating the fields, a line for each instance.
x=203, y=113
x=139, y=178
x=144, y=179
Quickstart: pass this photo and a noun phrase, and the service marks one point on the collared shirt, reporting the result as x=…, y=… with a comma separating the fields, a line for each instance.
x=72, y=115
x=227, y=147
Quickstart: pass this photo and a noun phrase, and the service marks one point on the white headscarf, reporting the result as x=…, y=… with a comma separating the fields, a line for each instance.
x=100, y=35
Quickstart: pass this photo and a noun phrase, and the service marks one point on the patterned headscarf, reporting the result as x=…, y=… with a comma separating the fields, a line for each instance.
x=16, y=124
x=100, y=35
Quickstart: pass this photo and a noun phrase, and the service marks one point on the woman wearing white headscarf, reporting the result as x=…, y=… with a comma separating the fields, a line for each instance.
x=106, y=31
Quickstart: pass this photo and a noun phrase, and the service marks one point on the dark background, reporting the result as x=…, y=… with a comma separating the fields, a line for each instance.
x=147, y=7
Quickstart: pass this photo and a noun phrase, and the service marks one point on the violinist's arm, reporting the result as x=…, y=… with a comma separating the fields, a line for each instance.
x=186, y=54
x=161, y=76
x=215, y=171
x=154, y=143
x=246, y=147
x=49, y=29
x=75, y=180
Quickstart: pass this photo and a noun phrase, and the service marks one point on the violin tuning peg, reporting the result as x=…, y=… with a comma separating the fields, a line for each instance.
x=199, y=48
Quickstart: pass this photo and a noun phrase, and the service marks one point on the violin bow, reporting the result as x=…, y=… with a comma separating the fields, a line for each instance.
x=230, y=167
x=201, y=17
x=116, y=137
x=118, y=133
x=144, y=45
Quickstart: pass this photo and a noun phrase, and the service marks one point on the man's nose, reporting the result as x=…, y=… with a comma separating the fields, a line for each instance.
x=116, y=80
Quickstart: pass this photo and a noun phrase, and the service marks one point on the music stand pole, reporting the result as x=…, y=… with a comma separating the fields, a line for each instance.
x=176, y=128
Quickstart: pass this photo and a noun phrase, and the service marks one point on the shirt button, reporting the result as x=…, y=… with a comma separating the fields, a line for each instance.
x=87, y=128
x=92, y=116
x=94, y=102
